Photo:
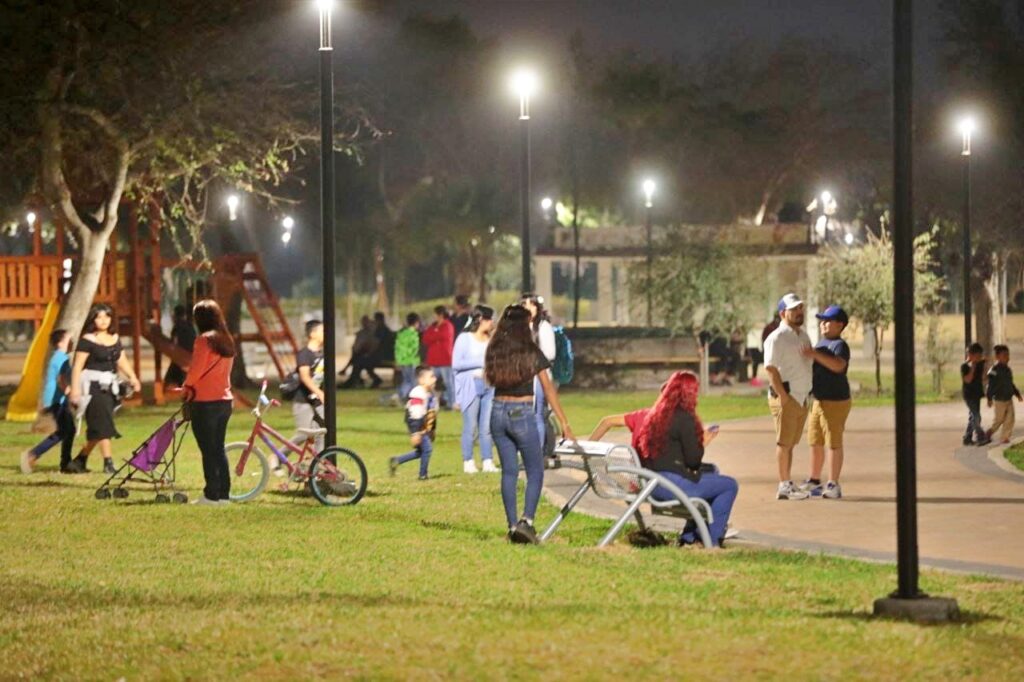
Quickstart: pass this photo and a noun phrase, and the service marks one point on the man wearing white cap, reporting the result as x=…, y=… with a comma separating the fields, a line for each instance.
x=790, y=375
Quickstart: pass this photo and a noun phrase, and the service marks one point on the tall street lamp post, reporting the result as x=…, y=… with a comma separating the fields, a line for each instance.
x=649, y=187
x=966, y=128
x=524, y=83
x=327, y=219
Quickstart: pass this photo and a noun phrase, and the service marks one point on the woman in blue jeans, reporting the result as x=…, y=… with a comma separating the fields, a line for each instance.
x=472, y=394
x=511, y=363
x=671, y=441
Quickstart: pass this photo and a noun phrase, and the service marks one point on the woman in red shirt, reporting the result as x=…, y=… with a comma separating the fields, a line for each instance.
x=208, y=388
x=438, y=340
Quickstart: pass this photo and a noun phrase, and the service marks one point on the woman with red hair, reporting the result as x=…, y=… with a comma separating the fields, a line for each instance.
x=670, y=439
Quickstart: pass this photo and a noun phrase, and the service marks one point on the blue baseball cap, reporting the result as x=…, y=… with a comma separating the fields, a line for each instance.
x=834, y=312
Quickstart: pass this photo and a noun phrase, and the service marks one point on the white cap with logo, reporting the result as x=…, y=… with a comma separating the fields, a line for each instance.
x=789, y=301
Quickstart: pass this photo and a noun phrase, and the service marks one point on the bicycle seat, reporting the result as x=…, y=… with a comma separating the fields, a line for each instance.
x=311, y=433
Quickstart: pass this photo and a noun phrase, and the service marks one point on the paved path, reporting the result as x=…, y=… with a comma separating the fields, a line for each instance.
x=970, y=510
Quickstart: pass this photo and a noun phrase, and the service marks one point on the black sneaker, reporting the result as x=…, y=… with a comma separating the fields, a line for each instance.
x=108, y=466
x=524, y=534
x=80, y=462
x=968, y=441
x=72, y=467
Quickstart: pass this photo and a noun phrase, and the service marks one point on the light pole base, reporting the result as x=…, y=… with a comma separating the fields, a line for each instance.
x=923, y=609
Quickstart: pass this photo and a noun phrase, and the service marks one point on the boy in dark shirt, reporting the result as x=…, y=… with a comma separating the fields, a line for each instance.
x=56, y=387
x=1001, y=392
x=973, y=374
x=421, y=419
x=831, y=390
x=308, y=404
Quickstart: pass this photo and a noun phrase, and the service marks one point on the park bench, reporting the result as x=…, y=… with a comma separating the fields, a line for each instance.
x=614, y=472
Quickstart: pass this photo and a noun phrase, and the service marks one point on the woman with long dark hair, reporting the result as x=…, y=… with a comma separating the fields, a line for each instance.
x=95, y=390
x=544, y=336
x=512, y=362
x=671, y=441
x=472, y=394
x=208, y=388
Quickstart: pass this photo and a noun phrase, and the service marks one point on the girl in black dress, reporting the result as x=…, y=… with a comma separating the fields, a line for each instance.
x=98, y=357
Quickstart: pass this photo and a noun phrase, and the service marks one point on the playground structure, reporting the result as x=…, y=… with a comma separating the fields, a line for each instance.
x=131, y=281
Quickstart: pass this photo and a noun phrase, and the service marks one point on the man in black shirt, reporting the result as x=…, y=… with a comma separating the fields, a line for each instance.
x=973, y=374
x=831, y=390
x=460, y=316
x=1001, y=392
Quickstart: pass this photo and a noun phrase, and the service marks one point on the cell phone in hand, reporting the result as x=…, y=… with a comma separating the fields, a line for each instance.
x=713, y=428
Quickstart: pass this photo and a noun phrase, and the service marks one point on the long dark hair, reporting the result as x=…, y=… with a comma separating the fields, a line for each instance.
x=480, y=312
x=210, y=324
x=511, y=357
x=90, y=320
x=538, y=301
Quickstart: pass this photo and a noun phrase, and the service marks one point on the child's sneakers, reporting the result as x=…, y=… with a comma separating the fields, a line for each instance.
x=524, y=534
x=489, y=468
x=469, y=467
x=28, y=462
x=812, y=488
x=788, y=491
x=833, y=491
x=393, y=466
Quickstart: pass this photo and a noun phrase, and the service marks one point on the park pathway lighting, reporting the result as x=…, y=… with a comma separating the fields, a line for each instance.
x=30, y=218
x=325, y=8
x=524, y=83
x=966, y=126
x=233, y=207
x=288, y=223
x=649, y=187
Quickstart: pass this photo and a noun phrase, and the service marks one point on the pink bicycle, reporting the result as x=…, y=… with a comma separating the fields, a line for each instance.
x=336, y=476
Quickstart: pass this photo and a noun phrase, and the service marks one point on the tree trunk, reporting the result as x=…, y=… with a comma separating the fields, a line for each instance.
x=878, y=359
x=79, y=299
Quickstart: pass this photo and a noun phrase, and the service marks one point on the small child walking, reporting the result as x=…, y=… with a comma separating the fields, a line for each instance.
x=1001, y=392
x=56, y=387
x=972, y=371
x=421, y=419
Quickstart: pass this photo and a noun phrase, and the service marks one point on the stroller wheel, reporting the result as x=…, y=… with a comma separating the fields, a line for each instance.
x=162, y=498
x=180, y=498
x=120, y=493
x=103, y=494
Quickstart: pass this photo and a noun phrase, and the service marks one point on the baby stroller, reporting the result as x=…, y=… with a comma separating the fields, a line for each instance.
x=151, y=464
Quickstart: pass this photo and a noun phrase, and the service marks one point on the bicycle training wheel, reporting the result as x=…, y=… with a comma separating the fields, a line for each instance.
x=249, y=471
x=337, y=477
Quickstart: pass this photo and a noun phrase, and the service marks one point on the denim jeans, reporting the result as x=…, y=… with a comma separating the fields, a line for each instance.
x=477, y=417
x=540, y=411
x=717, y=490
x=210, y=425
x=422, y=453
x=408, y=381
x=447, y=377
x=514, y=430
x=65, y=435
x=974, y=429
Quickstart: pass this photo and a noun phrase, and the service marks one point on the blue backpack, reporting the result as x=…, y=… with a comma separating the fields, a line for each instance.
x=562, y=368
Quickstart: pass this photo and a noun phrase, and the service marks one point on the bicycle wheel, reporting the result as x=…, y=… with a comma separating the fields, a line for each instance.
x=337, y=477
x=249, y=475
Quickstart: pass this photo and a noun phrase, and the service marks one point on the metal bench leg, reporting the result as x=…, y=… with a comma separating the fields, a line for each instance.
x=564, y=511
x=634, y=506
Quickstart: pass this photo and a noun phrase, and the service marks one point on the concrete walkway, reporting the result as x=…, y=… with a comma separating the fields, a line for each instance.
x=970, y=509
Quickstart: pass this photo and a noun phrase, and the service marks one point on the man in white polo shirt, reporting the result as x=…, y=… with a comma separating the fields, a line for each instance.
x=790, y=373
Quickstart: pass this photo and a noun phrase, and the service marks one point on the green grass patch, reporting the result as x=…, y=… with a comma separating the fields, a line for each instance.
x=1015, y=455
x=417, y=582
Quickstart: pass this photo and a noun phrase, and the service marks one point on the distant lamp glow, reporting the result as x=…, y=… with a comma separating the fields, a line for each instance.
x=848, y=238
x=649, y=188
x=967, y=125
x=546, y=204
x=325, y=7
x=288, y=223
x=233, y=207
x=286, y=237
x=524, y=83
x=30, y=218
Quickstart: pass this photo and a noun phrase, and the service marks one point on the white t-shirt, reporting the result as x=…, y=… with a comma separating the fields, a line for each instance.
x=782, y=351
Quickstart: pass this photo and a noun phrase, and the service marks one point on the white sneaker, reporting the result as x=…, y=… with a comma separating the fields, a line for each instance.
x=730, y=533
x=204, y=501
x=489, y=468
x=28, y=462
x=469, y=467
x=833, y=491
x=788, y=491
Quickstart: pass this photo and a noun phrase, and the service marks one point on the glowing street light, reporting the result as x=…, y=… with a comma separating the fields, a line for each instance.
x=286, y=237
x=524, y=83
x=30, y=218
x=546, y=203
x=649, y=186
x=966, y=127
x=233, y=207
x=288, y=223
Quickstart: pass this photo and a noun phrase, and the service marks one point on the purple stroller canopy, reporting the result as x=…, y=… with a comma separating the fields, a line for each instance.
x=151, y=452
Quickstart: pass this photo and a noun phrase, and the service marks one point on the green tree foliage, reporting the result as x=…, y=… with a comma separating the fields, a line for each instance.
x=697, y=284
x=861, y=281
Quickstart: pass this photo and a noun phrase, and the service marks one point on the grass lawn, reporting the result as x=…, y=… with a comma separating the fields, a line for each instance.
x=417, y=582
x=1015, y=455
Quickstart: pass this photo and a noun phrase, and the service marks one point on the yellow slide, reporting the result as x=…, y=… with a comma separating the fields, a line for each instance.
x=24, y=404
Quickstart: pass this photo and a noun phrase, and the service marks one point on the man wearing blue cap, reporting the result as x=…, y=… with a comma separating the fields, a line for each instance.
x=831, y=391
x=790, y=374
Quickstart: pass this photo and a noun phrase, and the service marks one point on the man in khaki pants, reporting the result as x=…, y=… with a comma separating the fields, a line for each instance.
x=1001, y=392
x=789, y=373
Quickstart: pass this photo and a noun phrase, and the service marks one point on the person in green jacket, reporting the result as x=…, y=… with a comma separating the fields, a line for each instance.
x=407, y=354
